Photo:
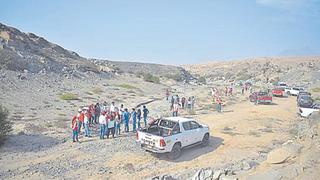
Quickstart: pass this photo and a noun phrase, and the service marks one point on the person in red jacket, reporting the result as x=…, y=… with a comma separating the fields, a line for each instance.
x=74, y=127
x=80, y=117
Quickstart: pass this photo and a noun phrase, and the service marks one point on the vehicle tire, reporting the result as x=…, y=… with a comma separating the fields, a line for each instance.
x=175, y=152
x=205, y=140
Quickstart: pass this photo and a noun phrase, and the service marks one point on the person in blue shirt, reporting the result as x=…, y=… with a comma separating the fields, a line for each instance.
x=139, y=118
x=134, y=119
x=145, y=115
x=126, y=117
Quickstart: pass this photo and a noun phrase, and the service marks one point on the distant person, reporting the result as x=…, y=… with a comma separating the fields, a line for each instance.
x=183, y=102
x=102, y=124
x=74, y=127
x=97, y=113
x=242, y=90
x=145, y=115
x=139, y=118
x=189, y=102
x=80, y=117
x=86, y=124
x=126, y=118
x=167, y=94
x=175, y=110
x=218, y=104
x=193, y=101
x=112, y=107
x=93, y=114
x=134, y=119
x=118, y=125
x=226, y=91
x=172, y=102
x=111, y=126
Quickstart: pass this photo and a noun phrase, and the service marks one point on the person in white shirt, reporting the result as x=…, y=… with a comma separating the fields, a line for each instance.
x=86, y=122
x=112, y=108
x=103, y=124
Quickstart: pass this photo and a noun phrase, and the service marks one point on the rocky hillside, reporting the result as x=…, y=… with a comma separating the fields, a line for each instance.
x=294, y=70
x=27, y=52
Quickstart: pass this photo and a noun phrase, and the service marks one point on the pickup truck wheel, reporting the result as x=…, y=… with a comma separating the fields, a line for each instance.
x=175, y=152
x=205, y=140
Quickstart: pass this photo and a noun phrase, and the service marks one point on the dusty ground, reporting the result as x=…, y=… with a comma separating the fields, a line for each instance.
x=246, y=131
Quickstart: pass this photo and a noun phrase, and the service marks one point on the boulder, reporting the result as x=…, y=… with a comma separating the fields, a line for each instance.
x=203, y=174
x=280, y=155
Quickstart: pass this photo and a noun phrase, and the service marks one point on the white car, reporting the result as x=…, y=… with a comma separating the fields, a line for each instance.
x=170, y=135
x=293, y=91
x=306, y=112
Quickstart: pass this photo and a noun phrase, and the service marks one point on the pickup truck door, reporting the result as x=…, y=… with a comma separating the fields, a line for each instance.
x=197, y=131
x=187, y=138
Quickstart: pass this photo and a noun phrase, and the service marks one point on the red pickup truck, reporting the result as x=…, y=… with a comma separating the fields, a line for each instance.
x=279, y=92
x=260, y=97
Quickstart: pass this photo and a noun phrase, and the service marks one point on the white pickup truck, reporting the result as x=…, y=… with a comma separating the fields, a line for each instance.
x=294, y=91
x=170, y=135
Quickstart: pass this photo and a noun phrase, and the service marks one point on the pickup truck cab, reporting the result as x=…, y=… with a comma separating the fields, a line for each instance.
x=170, y=135
x=260, y=97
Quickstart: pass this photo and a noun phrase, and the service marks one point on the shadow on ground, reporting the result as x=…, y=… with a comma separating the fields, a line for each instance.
x=28, y=143
x=193, y=152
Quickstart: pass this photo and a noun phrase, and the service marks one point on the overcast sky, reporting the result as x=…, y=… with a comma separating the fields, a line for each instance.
x=172, y=31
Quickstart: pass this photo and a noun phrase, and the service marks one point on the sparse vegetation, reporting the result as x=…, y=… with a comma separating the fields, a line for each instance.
x=5, y=124
x=317, y=89
x=151, y=78
x=127, y=86
x=69, y=96
x=97, y=90
x=202, y=80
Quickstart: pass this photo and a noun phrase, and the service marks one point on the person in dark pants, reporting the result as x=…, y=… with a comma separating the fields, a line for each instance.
x=145, y=115
x=139, y=118
x=111, y=126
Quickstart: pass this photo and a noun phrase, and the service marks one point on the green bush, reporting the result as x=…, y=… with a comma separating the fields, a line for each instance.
x=69, y=96
x=5, y=124
x=151, y=78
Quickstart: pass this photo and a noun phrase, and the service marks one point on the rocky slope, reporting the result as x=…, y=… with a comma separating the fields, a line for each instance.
x=294, y=70
x=28, y=52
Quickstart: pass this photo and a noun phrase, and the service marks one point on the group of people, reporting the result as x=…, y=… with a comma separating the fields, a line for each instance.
x=109, y=118
x=177, y=103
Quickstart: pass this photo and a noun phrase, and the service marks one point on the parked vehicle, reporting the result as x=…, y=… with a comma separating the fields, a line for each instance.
x=282, y=84
x=306, y=112
x=303, y=93
x=279, y=92
x=260, y=97
x=294, y=91
x=170, y=135
x=305, y=101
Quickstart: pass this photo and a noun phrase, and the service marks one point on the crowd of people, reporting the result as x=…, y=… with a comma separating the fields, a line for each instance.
x=177, y=103
x=109, y=118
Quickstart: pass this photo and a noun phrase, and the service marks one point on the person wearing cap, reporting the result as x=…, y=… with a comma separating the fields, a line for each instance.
x=102, y=124
x=80, y=117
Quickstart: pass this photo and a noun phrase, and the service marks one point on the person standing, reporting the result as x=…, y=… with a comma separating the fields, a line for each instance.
x=112, y=107
x=126, y=118
x=134, y=119
x=80, y=117
x=102, y=123
x=86, y=124
x=118, y=124
x=145, y=115
x=218, y=104
x=183, y=102
x=172, y=102
x=175, y=110
x=111, y=126
x=167, y=94
x=74, y=127
x=97, y=113
x=139, y=118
